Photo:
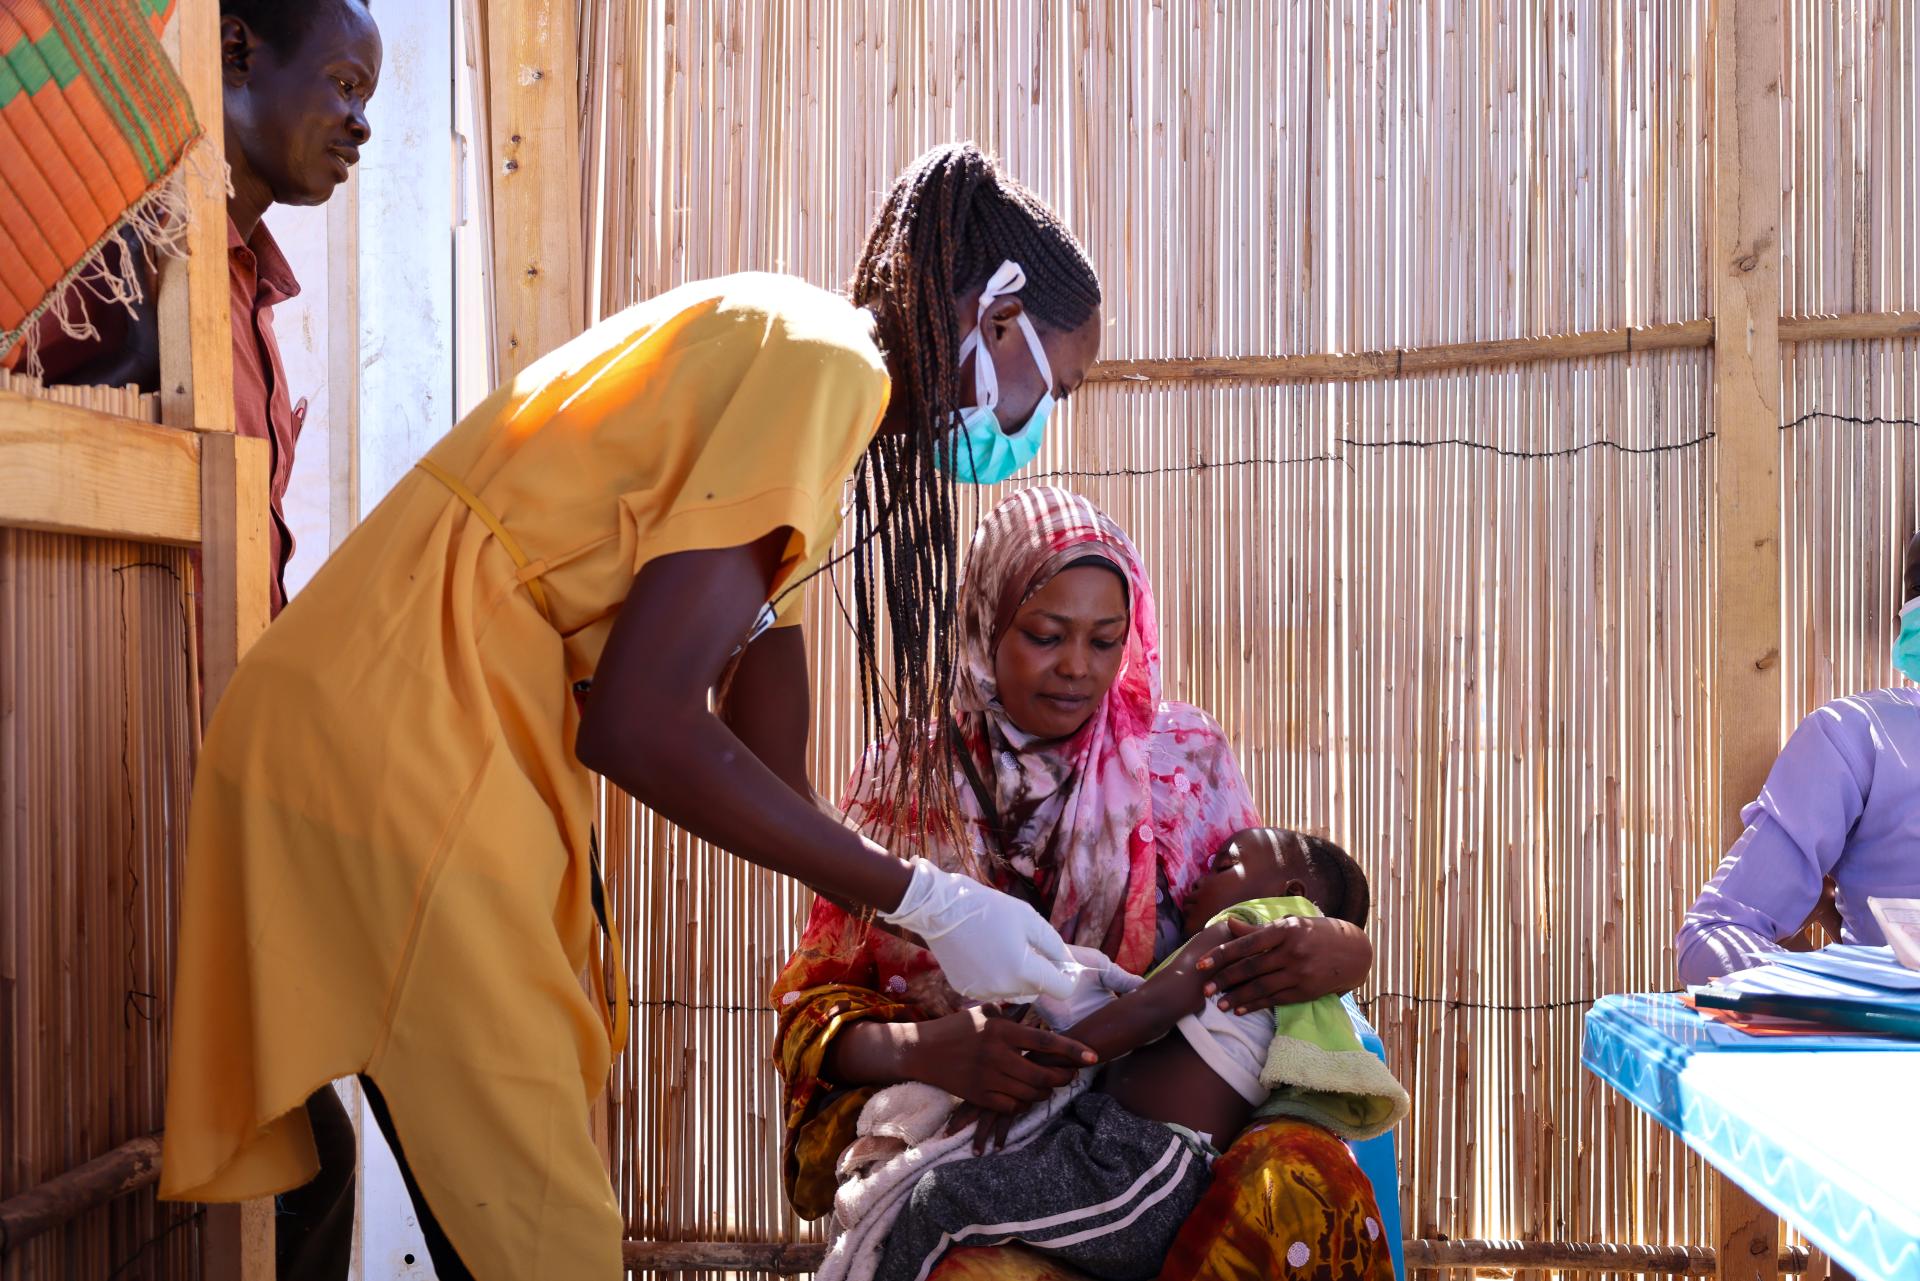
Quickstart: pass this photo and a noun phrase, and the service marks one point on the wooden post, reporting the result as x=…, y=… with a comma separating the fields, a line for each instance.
x=196, y=391
x=1745, y=267
x=343, y=359
x=1746, y=1237
x=234, y=561
x=196, y=335
x=533, y=74
x=1746, y=360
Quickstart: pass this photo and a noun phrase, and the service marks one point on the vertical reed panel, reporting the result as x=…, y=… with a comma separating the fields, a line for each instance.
x=97, y=742
x=1483, y=669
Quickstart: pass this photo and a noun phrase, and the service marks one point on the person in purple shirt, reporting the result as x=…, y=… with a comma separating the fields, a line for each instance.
x=1842, y=803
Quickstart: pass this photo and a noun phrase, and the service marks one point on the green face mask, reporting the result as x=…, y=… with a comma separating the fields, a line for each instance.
x=1906, y=643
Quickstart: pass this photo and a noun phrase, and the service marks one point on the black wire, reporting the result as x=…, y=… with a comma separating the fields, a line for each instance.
x=1852, y=419
x=156, y=1239
x=138, y=1002
x=1202, y=465
x=1461, y=442
x=670, y=1003
x=1454, y=1003
x=1457, y=442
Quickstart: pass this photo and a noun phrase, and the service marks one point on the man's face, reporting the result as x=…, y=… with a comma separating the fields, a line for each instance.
x=297, y=119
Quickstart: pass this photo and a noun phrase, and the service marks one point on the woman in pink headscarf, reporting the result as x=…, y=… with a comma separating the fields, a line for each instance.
x=1077, y=788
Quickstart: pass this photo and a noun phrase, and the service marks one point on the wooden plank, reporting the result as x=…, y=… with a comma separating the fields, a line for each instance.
x=1581, y=1257
x=1865, y=325
x=196, y=335
x=343, y=360
x=1747, y=1236
x=781, y=1258
x=233, y=504
x=1343, y=366
x=239, y=1241
x=1353, y=366
x=1745, y=259
x=127, y=1168
x=78, y=471
x=533, y=74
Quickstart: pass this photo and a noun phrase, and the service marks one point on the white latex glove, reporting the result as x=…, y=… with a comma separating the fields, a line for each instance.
x=1096, y=981
x=991, y=946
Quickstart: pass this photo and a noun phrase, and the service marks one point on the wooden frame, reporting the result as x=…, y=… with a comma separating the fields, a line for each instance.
x=1744, y=266
x=76, y=471
x=189, y=481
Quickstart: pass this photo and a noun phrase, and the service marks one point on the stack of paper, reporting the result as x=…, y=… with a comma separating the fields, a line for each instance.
x=1845, y=986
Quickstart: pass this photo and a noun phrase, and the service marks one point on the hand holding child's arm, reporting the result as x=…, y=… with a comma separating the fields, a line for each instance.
x=1147, y=1013
x=1287, y=962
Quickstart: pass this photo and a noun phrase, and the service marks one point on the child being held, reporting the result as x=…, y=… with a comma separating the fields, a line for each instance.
x=1102, y=1175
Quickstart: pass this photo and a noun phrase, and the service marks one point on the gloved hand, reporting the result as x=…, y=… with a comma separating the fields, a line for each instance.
x=1096, y=981
x=991, y=946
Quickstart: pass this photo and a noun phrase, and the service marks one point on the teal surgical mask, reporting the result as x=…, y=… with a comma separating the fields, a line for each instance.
x=978, y=451
x=1906, y=642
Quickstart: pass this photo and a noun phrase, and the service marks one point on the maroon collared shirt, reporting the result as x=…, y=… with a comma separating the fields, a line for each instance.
x=259, y=278
x=262, y=407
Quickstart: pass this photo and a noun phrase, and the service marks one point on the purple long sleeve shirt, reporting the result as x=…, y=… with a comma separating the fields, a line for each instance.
x=1843, y=800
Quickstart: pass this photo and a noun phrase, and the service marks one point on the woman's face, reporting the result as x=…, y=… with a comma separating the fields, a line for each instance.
x=1071, y=352
x=1062, y=651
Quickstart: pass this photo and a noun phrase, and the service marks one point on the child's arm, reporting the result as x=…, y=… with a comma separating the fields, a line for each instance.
x=1147, y=1013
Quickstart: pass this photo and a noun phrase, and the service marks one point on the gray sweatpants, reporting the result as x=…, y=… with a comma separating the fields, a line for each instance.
x=1100, y=1188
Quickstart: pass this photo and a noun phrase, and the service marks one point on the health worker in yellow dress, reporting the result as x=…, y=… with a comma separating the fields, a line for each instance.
x=391, y=870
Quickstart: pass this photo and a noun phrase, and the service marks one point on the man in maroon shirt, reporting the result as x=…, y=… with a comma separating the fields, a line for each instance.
x=297, y=78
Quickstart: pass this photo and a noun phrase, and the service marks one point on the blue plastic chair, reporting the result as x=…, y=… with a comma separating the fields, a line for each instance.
x=1376, y=1156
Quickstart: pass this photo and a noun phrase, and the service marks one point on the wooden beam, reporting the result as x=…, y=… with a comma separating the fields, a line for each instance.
x=538, y=278
x=78, y=471
x=196, y=335
x=1748, y=1236
x=1745, y=263
x=343, y=360
x=236, y=552
x=1340, y=367
x=1354, y=366
x=1861, y=326
x=1580, y=1257
x=781, y=1258
x=127, y=1168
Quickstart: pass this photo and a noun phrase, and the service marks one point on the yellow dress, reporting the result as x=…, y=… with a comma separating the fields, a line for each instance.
x=387, y=868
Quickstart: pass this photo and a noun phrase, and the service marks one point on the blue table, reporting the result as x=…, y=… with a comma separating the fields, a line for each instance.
x=1822, y=1132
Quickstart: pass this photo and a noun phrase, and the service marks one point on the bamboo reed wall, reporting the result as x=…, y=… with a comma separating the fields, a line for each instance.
x=1851, y=462
x=97, y=739
x=1484, y=669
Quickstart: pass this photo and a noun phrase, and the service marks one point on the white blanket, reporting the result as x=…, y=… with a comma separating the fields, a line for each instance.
x=901, y=1139
x=901, y=1136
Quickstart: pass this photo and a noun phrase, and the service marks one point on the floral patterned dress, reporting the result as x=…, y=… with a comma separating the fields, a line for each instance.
x=1105, y=833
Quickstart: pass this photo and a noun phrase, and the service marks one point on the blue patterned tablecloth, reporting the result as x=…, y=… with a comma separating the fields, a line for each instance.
x=1824, y=1132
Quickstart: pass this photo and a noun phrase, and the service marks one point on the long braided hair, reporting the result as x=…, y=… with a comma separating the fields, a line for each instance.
x=951, y=219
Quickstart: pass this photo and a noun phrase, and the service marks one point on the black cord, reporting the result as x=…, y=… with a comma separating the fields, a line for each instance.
x=1458, y=442
x=1852, y=419
x=1454, y=1003
x=672, y=1003
x=138, y=1002
x=1461, y=442
x=1202, y=465
x=156, y=1239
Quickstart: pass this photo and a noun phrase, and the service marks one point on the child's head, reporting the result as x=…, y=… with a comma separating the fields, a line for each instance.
x=1272, y=862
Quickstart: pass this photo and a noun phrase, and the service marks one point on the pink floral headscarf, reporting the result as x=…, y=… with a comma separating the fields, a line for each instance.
x=1104, y=822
